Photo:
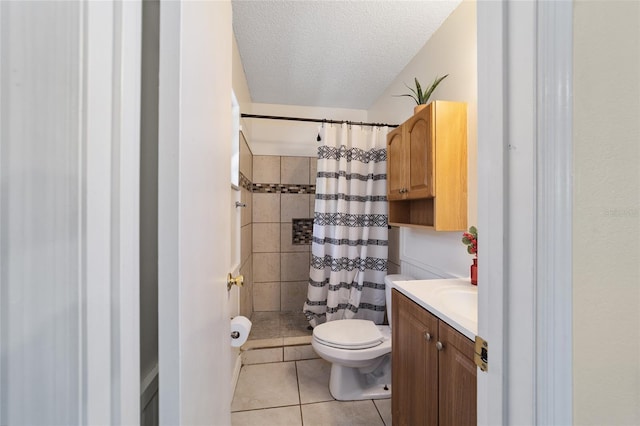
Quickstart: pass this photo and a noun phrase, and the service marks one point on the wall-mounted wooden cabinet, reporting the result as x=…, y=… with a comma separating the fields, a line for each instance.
x=433, y=373
x=427, y=168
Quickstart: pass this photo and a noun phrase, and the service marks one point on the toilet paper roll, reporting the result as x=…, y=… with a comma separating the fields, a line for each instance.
x=240, y=329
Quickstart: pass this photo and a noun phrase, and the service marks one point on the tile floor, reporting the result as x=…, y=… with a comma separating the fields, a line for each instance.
x=283, y=382
x=294, y=393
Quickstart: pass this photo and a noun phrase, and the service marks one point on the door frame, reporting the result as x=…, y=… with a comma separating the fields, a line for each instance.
x=525, y=52
x=110, y=134
x=73, y=69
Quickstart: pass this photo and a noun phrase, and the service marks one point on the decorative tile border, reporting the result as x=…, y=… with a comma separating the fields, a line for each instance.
x=302, y=231
x=275, y=188
x=245, y=183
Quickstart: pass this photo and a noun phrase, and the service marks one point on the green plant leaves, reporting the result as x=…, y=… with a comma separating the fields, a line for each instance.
x=433, y=87
x=470, y=239
x=415, y=96
x=419, y=91
x=418, y=95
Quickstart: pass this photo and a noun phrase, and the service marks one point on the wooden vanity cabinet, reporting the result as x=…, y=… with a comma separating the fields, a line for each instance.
x=430, y=386
x=414, y=364
x=427, y=168
x=456, y=378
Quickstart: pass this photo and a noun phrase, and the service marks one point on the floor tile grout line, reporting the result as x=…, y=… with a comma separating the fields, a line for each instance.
x=298, y=383
x=299, y=396
x=265, y=408
x=378, y=410
x=296, y=405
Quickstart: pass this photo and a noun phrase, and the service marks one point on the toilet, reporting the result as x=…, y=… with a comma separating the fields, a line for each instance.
x=359, y=352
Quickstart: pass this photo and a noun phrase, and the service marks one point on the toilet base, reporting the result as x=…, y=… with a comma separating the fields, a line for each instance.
x=350, y=384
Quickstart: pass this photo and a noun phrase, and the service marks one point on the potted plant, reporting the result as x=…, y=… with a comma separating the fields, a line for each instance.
x=421, y=97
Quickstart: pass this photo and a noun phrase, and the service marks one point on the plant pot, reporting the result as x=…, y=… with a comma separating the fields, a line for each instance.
x=474, y=272
x=418, y=108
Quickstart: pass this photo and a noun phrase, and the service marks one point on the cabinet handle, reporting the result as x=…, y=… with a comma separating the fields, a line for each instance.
x=427, y=336
x=439, y=346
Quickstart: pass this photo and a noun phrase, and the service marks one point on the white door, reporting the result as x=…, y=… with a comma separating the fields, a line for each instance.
x=69, y=155
x=193, y=212
x=524, y=153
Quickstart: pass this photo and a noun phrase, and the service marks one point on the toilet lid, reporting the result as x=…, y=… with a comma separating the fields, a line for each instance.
x=348, y=334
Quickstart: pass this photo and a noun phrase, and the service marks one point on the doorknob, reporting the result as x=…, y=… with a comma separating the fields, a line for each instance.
x=239, y=281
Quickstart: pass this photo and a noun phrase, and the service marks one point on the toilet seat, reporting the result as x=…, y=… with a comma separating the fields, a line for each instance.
x=350, y=334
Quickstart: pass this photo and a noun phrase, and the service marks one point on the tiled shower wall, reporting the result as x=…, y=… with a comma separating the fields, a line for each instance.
x=246, y=259
x=283, y=190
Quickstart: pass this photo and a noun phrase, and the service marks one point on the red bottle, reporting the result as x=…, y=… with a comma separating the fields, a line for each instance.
x=474, y=272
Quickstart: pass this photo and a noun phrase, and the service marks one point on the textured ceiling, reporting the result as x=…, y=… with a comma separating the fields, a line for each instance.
x=330, y=53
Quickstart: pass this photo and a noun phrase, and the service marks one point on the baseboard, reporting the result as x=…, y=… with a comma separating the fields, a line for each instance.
x=235, y=374
x=149, y=387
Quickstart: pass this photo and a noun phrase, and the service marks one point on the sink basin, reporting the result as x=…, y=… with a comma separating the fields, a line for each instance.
x=461, y=301
x=453, y=300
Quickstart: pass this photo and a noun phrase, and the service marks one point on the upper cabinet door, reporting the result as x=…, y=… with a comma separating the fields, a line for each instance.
x=420, y=137
x=396, y=165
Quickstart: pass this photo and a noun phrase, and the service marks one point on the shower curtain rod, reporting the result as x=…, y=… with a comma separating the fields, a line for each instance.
x=316, y=120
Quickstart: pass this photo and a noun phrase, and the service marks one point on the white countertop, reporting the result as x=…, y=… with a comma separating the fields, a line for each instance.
x=455, y=301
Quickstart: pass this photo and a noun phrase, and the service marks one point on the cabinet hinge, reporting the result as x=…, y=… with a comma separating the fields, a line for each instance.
x=481, y=356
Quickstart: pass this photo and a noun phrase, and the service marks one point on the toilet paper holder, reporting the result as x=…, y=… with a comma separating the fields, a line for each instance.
x=239, y=281
x=240, y=329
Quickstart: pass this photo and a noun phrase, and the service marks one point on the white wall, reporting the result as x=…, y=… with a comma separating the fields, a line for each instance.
x=606, y=218
x=239, y=80
x=240, y=86
x=451, y=50
x=292, y=138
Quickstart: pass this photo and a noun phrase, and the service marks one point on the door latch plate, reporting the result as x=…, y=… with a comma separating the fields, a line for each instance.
x=481, y=355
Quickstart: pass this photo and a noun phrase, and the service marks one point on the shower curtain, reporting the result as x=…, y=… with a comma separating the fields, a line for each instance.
x=350, y=233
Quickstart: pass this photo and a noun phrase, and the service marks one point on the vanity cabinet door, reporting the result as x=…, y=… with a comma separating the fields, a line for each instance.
x=457, y=381
x=433, y=373
x=414, y=389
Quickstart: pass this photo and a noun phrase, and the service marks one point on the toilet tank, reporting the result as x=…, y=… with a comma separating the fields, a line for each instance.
x=388, y=285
